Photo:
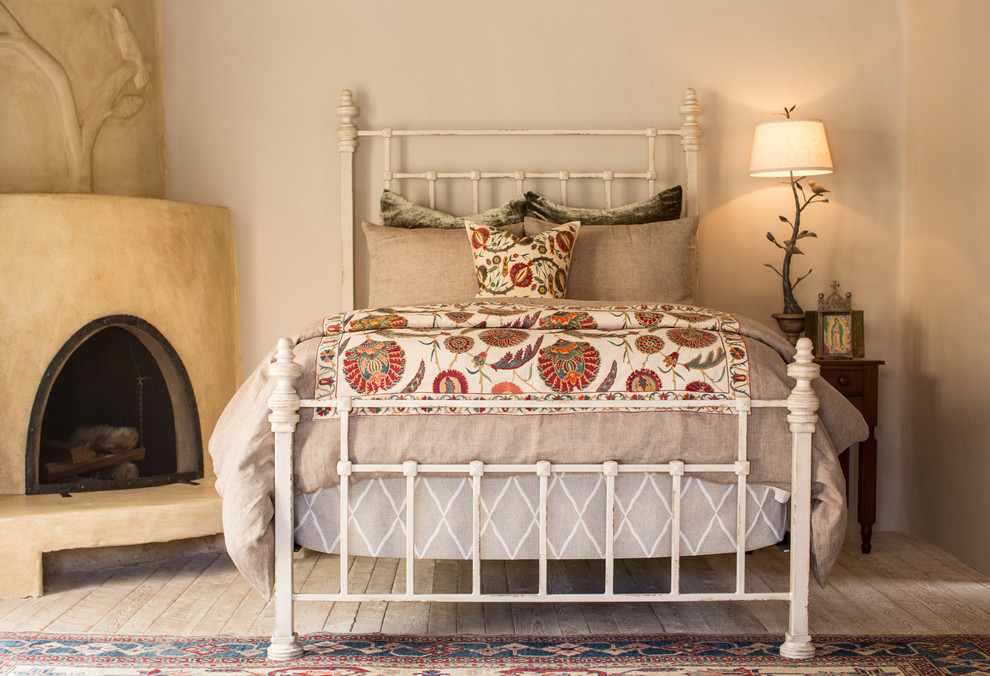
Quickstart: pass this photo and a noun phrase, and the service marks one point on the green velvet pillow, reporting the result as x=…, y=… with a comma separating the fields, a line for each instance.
x=664, y=206
x=398, y=212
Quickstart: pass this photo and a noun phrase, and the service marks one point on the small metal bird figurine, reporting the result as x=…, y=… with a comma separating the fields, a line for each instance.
x=817, y=189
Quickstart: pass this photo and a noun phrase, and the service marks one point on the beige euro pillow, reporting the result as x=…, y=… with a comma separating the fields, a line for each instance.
x=421, y=265
x=650, y=262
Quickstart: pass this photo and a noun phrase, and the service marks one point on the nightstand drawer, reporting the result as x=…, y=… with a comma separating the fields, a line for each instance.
x=847, y=382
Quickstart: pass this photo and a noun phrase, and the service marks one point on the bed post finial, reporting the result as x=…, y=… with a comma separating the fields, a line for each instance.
x=803, y=402
x=691, y=130
x=284, y=400
x=347, y=130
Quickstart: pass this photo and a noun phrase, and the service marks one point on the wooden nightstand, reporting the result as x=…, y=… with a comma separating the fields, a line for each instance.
x=856, y=379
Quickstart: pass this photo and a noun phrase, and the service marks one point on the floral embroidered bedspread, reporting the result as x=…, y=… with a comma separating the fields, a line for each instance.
x=502, y=352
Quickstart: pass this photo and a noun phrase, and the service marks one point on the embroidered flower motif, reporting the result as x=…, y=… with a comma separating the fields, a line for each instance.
x=459, y=317
x=566, y=366
x=521, y=274
x=671, y=359
x=479, y=360
x=565, y=241
x=450, y=381
x=479, y=237
x=503, y=337
x=643, y=380
x=649, y=343
x=699, y=386
x=373, y=366
x=560, y=283
x=648, y=318
x=458, y=344
x=567, y=320
x=691, y=317
x=506, y=388
x=377, y=322
x=737, y=353
x=691, y=338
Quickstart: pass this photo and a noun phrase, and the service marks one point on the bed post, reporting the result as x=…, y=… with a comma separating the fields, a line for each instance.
x=691, y=142
x=347, y=140
x=803, y=406
x=284, y=405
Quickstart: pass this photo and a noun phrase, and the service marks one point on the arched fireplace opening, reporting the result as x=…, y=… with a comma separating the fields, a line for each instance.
x=115, y=409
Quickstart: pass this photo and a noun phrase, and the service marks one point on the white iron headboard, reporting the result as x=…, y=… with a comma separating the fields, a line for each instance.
x=347, y=142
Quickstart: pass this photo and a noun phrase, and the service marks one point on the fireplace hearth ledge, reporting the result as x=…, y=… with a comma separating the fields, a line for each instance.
x=31, y=525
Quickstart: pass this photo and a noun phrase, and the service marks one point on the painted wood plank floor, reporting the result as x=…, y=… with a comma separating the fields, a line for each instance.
x=904, y=586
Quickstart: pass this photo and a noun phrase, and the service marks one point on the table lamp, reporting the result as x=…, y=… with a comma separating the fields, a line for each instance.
x=793, y=149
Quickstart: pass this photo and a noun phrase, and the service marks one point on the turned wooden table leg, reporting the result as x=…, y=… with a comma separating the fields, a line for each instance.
x=867, y=509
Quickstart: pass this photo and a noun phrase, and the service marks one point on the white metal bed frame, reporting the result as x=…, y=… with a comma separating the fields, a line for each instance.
x=285, y=405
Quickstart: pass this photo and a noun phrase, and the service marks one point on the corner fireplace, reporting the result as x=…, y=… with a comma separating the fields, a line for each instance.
x=96, y=284
x=115, y=409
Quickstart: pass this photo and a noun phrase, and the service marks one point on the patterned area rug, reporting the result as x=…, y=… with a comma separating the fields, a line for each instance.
x=374, y=655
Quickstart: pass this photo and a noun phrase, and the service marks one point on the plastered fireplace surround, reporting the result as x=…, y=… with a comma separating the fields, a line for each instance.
x=66, y=261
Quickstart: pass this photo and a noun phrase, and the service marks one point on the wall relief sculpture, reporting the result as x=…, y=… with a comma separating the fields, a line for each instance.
x=81, y=100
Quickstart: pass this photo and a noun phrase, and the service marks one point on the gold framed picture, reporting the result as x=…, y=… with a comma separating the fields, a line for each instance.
x=836, y=334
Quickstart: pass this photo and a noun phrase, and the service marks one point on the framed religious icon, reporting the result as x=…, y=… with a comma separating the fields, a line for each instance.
x=835, y=329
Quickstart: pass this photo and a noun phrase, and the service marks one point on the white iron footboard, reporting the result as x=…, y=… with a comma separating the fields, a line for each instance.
x=802, y=405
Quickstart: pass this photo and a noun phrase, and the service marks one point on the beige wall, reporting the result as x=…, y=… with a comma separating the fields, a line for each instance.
x=946, y=281
x=252, y=85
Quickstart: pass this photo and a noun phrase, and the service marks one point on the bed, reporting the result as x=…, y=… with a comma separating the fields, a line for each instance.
x=528, y=398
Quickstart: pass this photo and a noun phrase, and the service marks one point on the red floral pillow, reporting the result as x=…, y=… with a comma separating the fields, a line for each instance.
x=533, y=266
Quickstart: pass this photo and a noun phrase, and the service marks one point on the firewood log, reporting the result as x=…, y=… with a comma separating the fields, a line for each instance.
x=105, y=437
x=126, y=471
x=62, y=451
x=60, y=470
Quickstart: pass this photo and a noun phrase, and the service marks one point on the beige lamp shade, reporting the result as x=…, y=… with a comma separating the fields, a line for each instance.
x=791, y=145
